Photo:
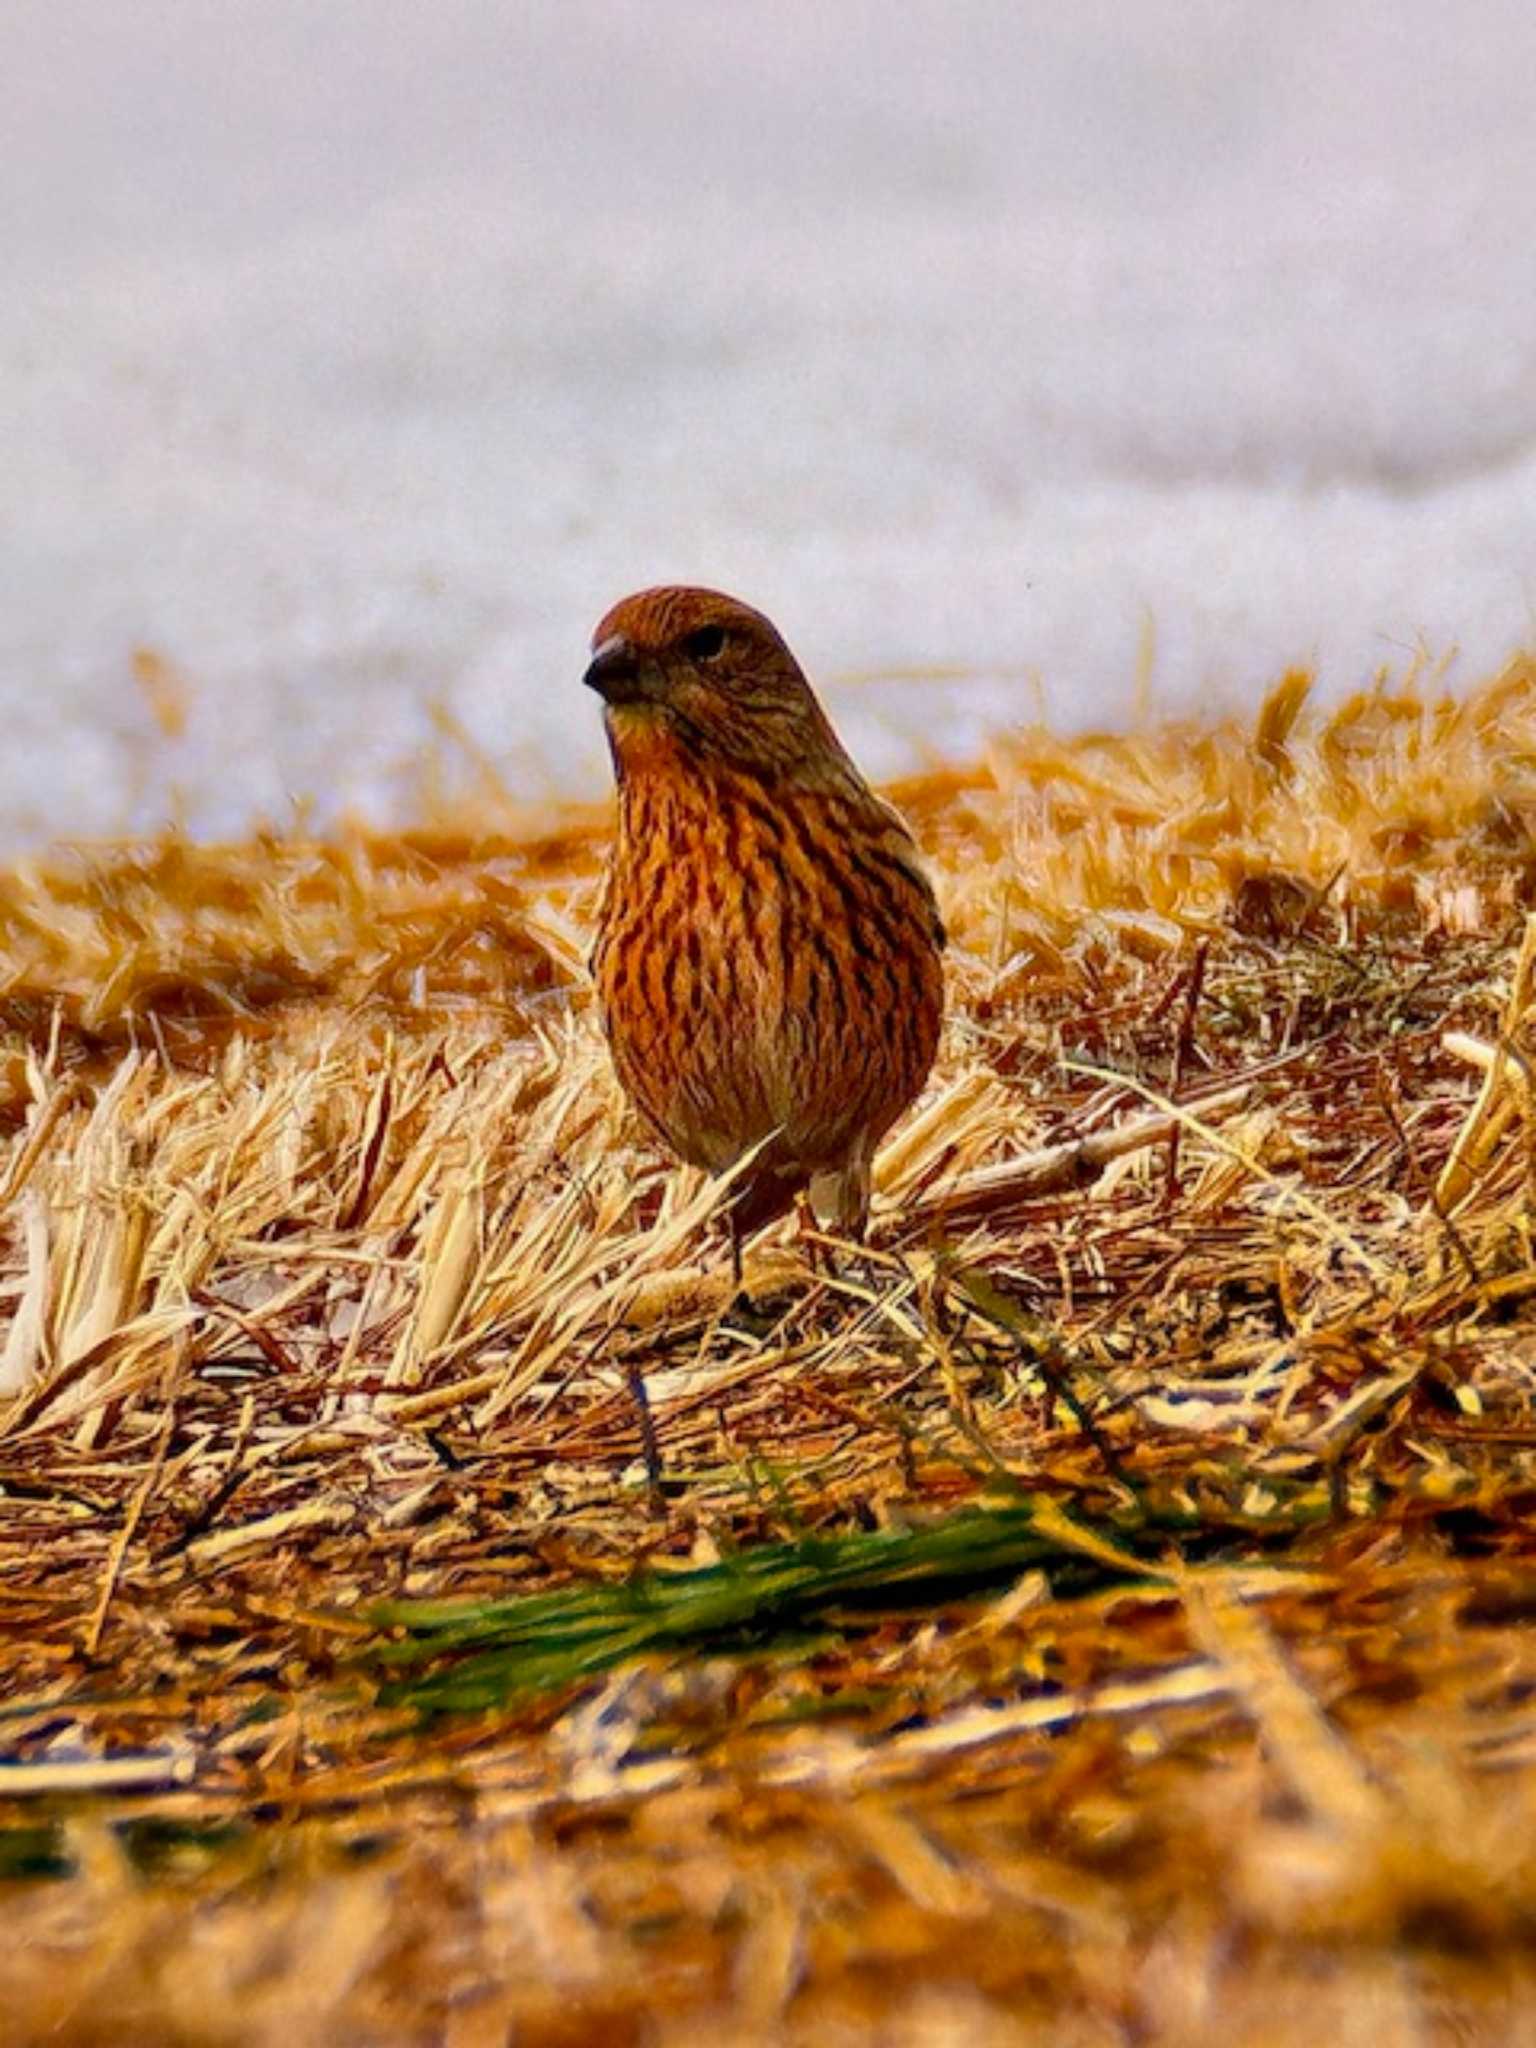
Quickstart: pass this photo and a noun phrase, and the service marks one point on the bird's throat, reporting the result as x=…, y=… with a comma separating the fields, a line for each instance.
x=644, y=740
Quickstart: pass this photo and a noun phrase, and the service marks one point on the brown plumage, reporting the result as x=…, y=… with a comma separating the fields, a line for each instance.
x=768, y=950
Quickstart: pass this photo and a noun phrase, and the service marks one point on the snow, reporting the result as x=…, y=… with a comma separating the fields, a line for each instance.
x=357, y=354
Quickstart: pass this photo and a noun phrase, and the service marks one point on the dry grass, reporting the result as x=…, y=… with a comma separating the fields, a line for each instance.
x=1097, y=1615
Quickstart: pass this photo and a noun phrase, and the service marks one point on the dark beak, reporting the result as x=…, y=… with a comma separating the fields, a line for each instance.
x=614, y=672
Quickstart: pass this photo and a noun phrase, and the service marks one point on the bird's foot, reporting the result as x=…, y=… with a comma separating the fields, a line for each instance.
x=769, y=1285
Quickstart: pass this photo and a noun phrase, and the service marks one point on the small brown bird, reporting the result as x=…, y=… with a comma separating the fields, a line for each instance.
x=768, y=952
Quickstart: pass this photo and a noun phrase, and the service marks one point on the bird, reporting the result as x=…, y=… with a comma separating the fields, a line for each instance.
x=768, y=958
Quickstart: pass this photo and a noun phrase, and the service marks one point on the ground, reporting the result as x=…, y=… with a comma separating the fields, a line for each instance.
x=1094, y=1612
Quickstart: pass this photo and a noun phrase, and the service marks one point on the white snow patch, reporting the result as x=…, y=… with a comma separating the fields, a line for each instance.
x=360, y=352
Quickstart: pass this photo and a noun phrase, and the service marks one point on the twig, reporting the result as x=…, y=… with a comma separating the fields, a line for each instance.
x=1051, y=1169
x=650, y=1449
x=1183, y=1044
x=91, y=1641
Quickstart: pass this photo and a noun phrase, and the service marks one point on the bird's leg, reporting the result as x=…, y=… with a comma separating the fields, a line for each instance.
x=763, y=1200
x=819, y=1255
x=742, y=1312
x=862, y=1261
x=841, y=1198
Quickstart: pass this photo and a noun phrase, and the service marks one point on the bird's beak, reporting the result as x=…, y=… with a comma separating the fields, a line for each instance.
x=614, y=672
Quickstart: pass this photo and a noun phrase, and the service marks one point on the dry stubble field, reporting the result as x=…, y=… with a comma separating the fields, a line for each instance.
x=1096, y=1614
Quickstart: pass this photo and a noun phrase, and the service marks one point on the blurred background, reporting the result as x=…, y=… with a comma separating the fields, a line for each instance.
x=358, y=353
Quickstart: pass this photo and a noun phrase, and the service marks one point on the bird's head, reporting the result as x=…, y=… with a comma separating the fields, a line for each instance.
x=694, y=674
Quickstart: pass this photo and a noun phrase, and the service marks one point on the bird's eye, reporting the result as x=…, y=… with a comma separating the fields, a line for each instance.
x=704, y=643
